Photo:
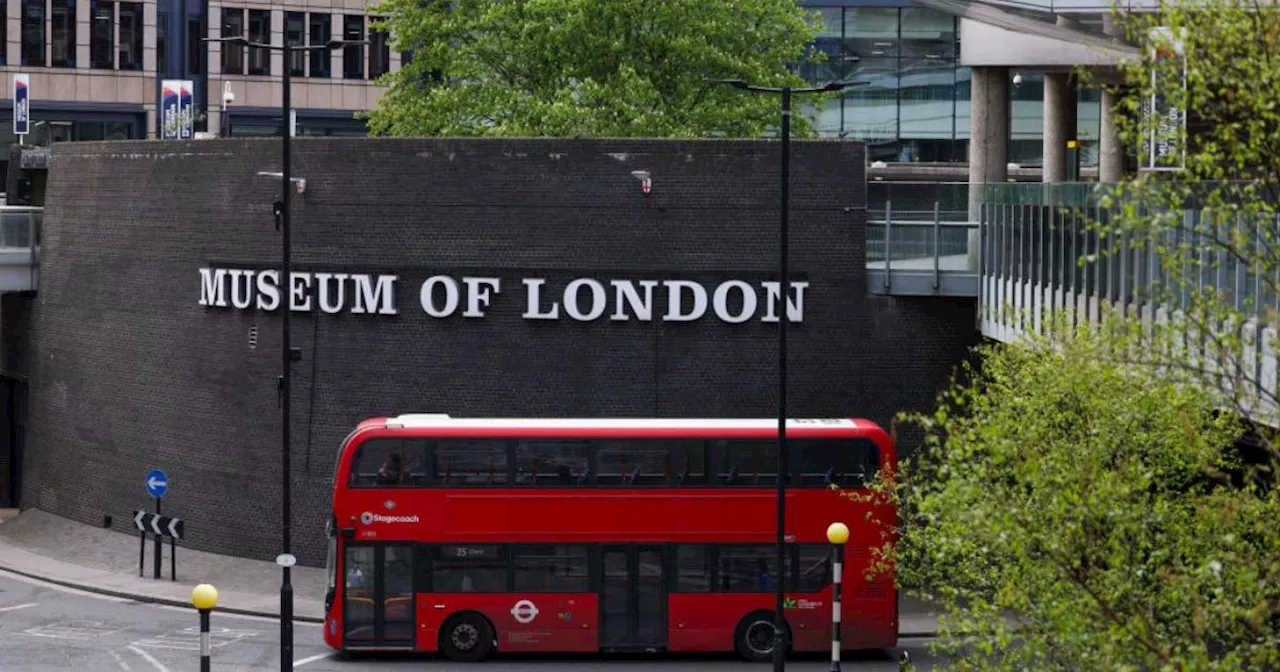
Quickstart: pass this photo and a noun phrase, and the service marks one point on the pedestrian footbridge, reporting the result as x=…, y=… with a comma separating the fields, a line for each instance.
x=1033, y=252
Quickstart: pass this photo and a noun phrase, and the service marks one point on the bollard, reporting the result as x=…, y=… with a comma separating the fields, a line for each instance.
x=204, y=597
x=838, y=535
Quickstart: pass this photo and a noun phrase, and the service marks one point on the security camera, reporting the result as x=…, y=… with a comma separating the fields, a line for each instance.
x=228, y=97
x=1017, y=79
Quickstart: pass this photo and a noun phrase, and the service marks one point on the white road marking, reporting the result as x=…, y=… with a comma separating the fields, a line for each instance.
x=119, y=660
x=18, y=606
x=188, y=639
x=312, y=659
x=78, y=630
x=154, y=663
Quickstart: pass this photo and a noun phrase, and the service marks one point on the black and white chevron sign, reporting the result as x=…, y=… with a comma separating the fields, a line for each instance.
x=165, y=526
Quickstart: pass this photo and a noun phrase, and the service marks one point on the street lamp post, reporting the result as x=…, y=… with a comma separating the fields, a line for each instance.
x=288, y=354
x=779, y=624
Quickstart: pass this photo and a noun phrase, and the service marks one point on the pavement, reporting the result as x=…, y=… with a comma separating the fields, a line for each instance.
x=42, y=546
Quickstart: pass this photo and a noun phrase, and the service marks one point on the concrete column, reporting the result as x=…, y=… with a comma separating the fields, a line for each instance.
x=988, y=141
x=1060, y=114
x=1110, y=151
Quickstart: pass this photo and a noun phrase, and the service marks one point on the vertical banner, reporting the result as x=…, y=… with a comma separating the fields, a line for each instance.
x=177, y=111
x=169, y=109
x=1165, y=113
x=21, y=104
x=186, y=110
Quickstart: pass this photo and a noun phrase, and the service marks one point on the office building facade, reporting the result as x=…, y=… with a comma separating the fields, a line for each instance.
x=95, y=68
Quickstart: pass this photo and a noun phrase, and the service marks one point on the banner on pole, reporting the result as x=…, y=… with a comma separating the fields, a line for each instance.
x=21, y=104
x=1165, y=113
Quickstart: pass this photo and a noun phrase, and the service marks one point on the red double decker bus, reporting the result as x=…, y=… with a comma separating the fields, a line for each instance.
x=466, y=536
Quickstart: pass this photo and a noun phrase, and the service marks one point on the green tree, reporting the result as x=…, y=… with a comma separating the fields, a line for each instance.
x=1212, y=217
x=1071, y=511
x=595, y=68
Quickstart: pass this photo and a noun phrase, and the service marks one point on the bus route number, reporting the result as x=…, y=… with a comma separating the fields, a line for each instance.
x=465, y=552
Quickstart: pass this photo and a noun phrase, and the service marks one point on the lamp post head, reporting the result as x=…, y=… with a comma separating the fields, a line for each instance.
x=838, y=533
x=204, y=596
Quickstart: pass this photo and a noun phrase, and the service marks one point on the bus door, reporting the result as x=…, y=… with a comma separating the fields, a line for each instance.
x=633, y=598
x=377, y=591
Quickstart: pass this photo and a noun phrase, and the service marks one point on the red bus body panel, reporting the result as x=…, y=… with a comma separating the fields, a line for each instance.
x=697, y=622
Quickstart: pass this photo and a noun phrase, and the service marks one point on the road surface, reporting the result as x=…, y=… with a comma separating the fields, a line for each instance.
x=46, y=628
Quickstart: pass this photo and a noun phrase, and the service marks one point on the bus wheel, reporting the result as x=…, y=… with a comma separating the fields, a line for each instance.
x=753, y=638
x=466, y=638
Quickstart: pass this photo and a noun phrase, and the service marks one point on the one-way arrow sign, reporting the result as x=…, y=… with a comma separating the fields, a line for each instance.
x=164, y=526
x=157, y=483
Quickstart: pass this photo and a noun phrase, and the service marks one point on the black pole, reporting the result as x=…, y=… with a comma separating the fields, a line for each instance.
x=204, y=640
x=837, y=578
x=173, y=559
x=142, y=553
x=286, y=589
x=780, y=633
x=159, y=549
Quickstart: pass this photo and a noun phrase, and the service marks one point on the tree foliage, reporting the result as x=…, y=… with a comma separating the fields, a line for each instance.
x=597, y=68
x=1213, y=224
x=1070, y=511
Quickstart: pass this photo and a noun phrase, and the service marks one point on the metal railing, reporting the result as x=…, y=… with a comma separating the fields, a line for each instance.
x=921, y=253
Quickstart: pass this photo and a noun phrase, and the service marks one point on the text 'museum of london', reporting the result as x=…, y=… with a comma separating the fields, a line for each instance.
x=441, y=296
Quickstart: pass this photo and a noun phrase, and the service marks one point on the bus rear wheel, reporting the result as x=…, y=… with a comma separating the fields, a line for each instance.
x=754, y=637
x=466, y=638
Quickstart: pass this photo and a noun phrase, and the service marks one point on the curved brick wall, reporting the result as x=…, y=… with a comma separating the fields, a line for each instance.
x=130, y=371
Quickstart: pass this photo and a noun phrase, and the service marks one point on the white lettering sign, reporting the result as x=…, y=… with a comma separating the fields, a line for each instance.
x=444, y=296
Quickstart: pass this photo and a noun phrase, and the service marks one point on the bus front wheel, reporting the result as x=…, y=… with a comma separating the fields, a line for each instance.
x=754, y=637
x=466, y=638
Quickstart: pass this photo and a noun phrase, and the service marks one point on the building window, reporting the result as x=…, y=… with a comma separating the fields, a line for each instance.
x=130, y=36
x=353, y=56
x=196, y=47
x=232, y=54
x=33, y=33
x=162, y=43
x=63, y=44
x=295, y=35
x=321, y=33
x=260, y=32
x=379, y=53
x=102, y=35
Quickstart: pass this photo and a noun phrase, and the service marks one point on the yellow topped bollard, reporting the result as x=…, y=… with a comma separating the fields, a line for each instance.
x=204, y=598
x=838, y=535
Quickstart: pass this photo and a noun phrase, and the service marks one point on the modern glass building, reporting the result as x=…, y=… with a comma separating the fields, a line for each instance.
x=95, y=67
x=915, y=108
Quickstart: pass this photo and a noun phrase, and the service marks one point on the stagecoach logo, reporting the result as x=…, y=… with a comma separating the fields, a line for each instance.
x=369, y=518
x=444, y=296
x=524, y=611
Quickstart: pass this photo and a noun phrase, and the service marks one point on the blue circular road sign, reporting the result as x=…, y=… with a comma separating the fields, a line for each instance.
x=157, y=483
